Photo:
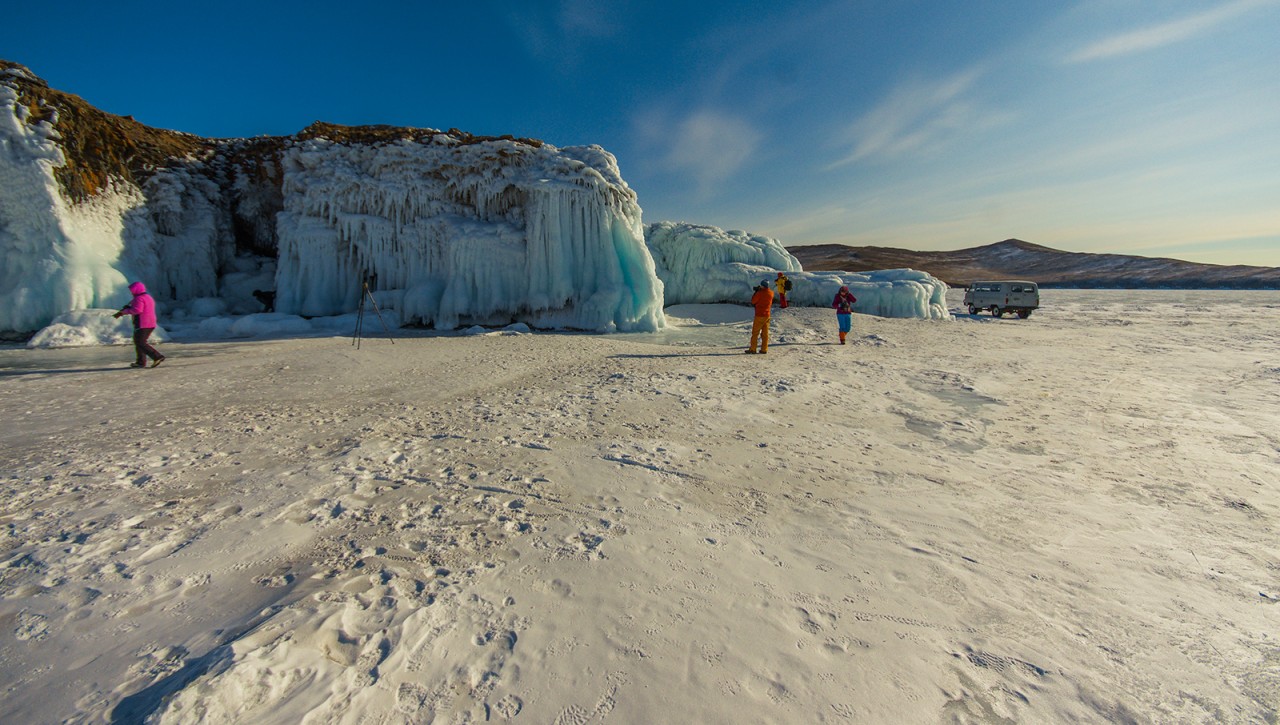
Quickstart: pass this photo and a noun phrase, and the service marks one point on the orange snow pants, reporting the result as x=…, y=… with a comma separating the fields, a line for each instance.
x=760, y=331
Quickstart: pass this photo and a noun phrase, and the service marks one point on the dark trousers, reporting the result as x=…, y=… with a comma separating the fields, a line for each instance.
x=144, y=348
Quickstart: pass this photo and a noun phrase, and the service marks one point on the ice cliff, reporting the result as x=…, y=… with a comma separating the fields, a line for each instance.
x=704, y=264
x=456, y=234
x=447, y=228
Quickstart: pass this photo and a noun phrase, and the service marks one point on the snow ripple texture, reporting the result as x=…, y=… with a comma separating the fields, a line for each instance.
x=701, y=264
x=460, y=234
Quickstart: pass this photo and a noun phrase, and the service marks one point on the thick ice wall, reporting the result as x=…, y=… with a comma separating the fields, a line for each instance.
x=885, y=293
x=53, y=258
x=701, y=264
x=464, y=233
x=705, y=264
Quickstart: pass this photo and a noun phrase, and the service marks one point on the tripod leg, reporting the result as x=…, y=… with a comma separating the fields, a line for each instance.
x=379, y=312
x=359, y=322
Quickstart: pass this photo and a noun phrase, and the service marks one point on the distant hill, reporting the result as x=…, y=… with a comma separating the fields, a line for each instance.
x=1016, y=259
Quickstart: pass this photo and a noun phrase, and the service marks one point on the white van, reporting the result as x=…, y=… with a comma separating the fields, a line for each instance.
x=1003, y=296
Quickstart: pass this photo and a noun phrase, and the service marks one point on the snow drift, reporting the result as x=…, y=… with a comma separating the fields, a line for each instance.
x=701, y=264
x=86, y=328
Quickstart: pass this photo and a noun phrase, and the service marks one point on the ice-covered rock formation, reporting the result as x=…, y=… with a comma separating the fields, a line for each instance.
x=702, y=264
x=59, y=254
x=450, y=229
x=76, y=226
x=465, y=233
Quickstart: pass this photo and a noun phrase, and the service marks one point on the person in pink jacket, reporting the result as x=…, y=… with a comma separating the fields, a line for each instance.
x=143, y=309
x=843, y=303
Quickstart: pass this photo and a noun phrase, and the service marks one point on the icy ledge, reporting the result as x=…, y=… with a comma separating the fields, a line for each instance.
x=701, y=264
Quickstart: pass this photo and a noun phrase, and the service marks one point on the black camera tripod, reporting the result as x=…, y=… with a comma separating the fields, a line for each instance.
x=365, y=294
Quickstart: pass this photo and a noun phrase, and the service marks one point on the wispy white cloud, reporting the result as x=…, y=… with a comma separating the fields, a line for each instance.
x=559, y=33
x=915, y=116
x=809, y=225
x=704, y=148
x=708, y=146
x=589, y=19
x=1168, y=33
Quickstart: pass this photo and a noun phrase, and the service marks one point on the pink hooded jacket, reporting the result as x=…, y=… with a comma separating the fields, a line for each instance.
x=844, y=301
x=143, y=308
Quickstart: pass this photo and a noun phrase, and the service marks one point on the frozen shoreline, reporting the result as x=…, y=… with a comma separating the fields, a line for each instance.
x=542, y=528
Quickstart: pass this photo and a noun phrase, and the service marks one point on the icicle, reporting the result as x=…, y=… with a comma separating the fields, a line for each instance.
x=466, y=234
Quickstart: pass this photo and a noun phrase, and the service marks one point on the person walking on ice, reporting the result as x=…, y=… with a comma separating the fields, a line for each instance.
x=783, y=285
x=763, y=302
x=843, y=304
x=143, y=309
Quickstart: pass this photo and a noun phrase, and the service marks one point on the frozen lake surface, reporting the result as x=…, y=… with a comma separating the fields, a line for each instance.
x=1065, y=518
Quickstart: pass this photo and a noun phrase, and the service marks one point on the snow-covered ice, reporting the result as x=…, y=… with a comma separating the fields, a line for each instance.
x=699, y=263
x=1069, y=518
x=84, y=328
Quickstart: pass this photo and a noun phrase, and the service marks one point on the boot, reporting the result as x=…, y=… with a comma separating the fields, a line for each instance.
x=842, y=338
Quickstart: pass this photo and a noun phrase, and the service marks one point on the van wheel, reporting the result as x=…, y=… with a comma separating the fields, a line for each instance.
x=1024, y=314
x=973, y=310
x=996, y=311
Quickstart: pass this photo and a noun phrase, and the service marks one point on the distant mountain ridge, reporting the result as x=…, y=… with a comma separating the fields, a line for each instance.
x=1016, y=259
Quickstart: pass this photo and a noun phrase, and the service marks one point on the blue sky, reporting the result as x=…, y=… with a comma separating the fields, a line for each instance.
x=1131, y=126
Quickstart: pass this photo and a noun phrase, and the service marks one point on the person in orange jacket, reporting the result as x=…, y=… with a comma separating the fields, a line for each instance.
x=763, y=302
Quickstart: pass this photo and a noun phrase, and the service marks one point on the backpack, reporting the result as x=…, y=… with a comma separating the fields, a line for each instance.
x=786, y=286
